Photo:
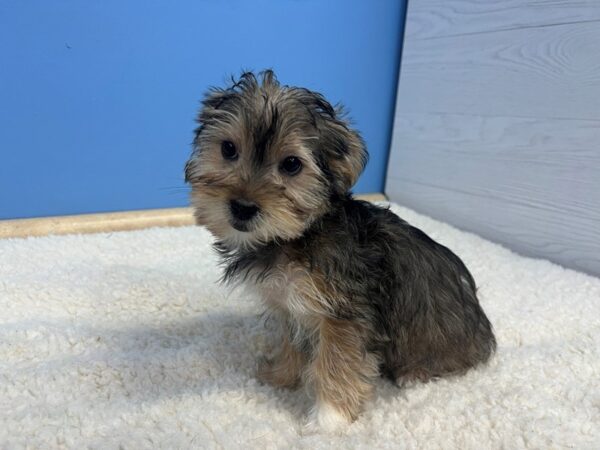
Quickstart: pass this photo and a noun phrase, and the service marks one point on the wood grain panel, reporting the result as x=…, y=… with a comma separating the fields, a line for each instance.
x=109, y=222
x=531, y=184
x=517, y=226
x=434, y=19
x=551, y=72
x=497, y=124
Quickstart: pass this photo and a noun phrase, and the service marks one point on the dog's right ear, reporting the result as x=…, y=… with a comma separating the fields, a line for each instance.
x=218, y=102
x=213, y=101
x=209, y=111
x=215, y=97
x=215, y=106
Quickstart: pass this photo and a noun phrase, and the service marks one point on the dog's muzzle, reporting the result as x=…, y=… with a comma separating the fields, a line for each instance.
x=242, y=212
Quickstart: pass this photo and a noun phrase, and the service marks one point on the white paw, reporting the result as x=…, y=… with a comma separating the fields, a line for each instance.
x=324, y=417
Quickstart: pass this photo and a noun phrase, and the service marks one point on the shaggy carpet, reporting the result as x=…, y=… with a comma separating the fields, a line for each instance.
x=126, y=340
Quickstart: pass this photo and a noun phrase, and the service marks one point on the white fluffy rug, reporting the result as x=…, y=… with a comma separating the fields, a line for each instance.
x=126, y=340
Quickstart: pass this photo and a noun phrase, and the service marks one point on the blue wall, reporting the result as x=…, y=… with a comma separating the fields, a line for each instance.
x=98, y=98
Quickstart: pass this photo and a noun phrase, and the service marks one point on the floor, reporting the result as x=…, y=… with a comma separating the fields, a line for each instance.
x=126, y=339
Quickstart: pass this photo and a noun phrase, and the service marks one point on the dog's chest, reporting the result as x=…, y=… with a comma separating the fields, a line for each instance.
x=289, y=289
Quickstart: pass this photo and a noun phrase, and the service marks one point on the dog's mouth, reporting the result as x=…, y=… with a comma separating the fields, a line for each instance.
x=240, y=225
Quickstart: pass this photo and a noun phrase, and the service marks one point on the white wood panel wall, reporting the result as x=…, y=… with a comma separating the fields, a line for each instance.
x=497, y=126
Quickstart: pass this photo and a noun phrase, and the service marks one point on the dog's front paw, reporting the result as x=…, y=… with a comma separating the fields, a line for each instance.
x=264, y=372
x=325, y=417
x=277, y=373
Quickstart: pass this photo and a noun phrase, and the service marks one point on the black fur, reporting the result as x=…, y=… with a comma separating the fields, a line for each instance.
x=263, y=135
x=393, y=296
x=415, y=295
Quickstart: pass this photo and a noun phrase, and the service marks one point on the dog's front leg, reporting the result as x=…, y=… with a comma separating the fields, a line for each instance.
x=285, y=369
x=342, y=373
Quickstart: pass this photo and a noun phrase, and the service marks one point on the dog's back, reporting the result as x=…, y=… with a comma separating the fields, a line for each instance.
x=419, y=296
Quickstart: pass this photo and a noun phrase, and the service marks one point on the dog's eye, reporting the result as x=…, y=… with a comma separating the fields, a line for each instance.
x=291, y=165
x=229, y=151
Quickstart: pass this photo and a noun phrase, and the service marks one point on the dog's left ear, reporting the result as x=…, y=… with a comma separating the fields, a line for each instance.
x=342, y=147
x=347, y=154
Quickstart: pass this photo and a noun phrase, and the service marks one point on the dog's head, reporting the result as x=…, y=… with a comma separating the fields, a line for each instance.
x=268, y=159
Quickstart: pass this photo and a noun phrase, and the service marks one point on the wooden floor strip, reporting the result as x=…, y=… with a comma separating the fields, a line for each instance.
x=107, y=222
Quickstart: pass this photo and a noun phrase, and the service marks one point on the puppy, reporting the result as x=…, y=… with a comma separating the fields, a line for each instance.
x=359, y=293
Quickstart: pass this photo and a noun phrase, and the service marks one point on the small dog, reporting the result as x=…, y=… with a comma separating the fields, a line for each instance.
x=358, y=292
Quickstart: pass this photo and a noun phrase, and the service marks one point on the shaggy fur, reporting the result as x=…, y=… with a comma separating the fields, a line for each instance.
x=358, y=291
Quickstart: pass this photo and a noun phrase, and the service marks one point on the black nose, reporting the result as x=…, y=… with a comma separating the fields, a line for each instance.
x=242, y=209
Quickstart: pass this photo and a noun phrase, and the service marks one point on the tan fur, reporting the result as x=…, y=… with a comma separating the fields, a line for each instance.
x=342, y=371
x=351, y=165
x=270, y=173
x=288, y=203
x=267, y=123
x=285, y=369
